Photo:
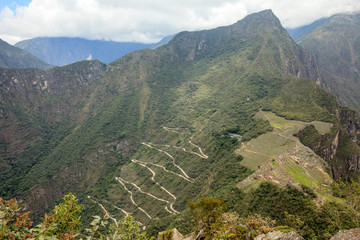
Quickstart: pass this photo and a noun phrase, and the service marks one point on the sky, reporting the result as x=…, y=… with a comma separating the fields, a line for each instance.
x=148, y=20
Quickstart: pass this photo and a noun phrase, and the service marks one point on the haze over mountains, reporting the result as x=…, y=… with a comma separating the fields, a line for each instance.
x=13, y=57
x=335, y=43
x=216, y=112
x=60, y=51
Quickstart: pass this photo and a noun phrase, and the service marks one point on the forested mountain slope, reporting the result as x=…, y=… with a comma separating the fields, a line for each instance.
x=13, y=57
x=156, y=128
x=335, y=44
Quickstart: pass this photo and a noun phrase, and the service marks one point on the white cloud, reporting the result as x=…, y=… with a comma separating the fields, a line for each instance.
x=299, y=13
x=148, y=21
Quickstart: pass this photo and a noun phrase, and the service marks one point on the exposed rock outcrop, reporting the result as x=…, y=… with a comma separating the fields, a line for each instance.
x=278, y=235
x=352, y=234
x=348, y=150
x=351, y=122
x=340, y=148
x=51, y=93
x=172, y=234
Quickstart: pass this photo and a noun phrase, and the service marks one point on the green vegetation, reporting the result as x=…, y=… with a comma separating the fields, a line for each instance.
x=299, y=175
x=285, y=205
x=150, y=132
x=280, y=158
x=285, y=209
x=322, y=127
x=303, y=99
x=277, y=121
x=207, y=211
x=309, y=135
x=13, y=57
x=64, y=223
x=335, y=45
x=214, y=223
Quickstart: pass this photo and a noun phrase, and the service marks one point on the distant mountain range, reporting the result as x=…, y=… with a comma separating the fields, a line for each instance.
x=60, y=51
x=13, y=57
x=301, y=31
x=335, y=43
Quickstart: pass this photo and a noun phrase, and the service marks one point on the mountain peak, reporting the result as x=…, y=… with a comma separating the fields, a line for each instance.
x=259, y=22
x=246, y=28
x=263, y=15
x=261, y=29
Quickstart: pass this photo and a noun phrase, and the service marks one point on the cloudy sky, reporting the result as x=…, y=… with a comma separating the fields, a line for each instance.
x=148, y=20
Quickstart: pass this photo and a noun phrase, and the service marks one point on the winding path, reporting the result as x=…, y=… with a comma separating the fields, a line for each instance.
x=104, y=209
x=168, y=204
x=164, y=189
x=171, y=130
x=162, y=167
x=150, y=195
x=121, y=181
x=170, y=156
x=116, y=207
x=202, y=155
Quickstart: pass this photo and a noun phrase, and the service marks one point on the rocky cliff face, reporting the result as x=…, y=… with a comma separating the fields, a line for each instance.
x=28, y=95
x=36, y=106
x=350, y=120
x=51, y=93
x=345, y=163
x=349, y=149
x=340, y=148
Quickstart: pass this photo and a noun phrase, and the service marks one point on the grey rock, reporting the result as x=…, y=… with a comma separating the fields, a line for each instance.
x=352, y=234
x=172, y=233
x=278, y=235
